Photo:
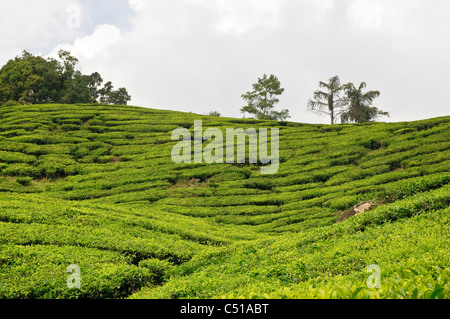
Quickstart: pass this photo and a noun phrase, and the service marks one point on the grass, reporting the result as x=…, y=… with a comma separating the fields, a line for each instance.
x=95, y=186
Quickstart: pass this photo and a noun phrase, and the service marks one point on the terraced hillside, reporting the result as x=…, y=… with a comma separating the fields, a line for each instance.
x=95, y=186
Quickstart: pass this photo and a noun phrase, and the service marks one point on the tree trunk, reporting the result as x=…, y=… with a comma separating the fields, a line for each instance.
x=331, y=107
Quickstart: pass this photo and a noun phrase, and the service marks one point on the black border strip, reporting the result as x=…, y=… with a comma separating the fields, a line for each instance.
x=173, y=308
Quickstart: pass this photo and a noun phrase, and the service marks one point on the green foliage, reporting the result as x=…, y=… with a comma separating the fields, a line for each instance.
x=263, y=98
x=329, y=102
x=159, y=268
x=360, y=109
x=30, y=79
x=24, y=181
x=94, y=185
x=353, y=106
x=11, y=103
x=214, y=113
x=104, y=274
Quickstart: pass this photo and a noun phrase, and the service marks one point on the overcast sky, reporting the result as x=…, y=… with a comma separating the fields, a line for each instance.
x=202, y=55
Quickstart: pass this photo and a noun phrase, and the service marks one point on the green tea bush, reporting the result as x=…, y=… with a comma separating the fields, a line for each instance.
x=14, y=157
x=159, y=269
x=21, y=169
x=94, y=185
x=24, y=181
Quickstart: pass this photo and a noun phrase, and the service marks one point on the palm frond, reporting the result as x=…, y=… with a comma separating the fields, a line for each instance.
x=319, y=95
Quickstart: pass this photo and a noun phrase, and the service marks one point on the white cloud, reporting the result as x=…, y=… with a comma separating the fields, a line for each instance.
x=33, y=25
x=399, y=17
x=227, y=16
x=137, y=5
x=240, y=16
x=369, y=14
x=98, y=43
x=201, y=55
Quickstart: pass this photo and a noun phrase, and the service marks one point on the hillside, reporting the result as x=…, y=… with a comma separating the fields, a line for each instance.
x=95, y=186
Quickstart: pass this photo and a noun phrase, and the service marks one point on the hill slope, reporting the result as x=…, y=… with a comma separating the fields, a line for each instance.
x=95, y=186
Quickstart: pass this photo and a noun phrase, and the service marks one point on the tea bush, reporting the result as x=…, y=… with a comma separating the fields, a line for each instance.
x=95, y=186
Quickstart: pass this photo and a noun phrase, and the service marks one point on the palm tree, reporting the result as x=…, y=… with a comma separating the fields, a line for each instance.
x=360, y=109
x=330, y=101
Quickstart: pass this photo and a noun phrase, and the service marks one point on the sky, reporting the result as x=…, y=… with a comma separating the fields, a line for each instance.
x=202, y=55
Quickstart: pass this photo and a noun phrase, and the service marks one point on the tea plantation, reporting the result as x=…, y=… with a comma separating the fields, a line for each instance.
x=95, y=186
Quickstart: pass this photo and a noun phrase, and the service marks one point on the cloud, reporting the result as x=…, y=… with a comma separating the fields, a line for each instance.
x=210, y=52
x=33, y=25
x=97, y=43
x=201, y=55
x=368, y=14
x=241, y=16
x=136, y=5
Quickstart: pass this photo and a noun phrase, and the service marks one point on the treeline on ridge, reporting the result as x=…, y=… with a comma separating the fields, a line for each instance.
x=30, y=79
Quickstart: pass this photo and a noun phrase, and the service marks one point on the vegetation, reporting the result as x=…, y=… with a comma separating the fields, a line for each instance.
x=262, y=100
x=30, y=79
x=360, y=109
x=353, y=107
x=329, y=102
x=214, y=113
x=94, y=186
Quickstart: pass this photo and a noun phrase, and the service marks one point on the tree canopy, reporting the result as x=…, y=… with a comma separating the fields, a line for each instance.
x=360, y=108
x=30, y=79
x=262, y=100
x=330, y=101
x=345, y=100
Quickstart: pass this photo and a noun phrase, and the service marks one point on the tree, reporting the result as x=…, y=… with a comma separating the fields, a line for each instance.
x=29, y=79
x=263, y=98
x=76, y=89
x=94, y=81
x=214, y=113
x=33, y=79
x=69, y=63
x=360, y=109
x=330, y=101
x=119, y=97
x=75, y=84
x=109, y=96
x=105, y=92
